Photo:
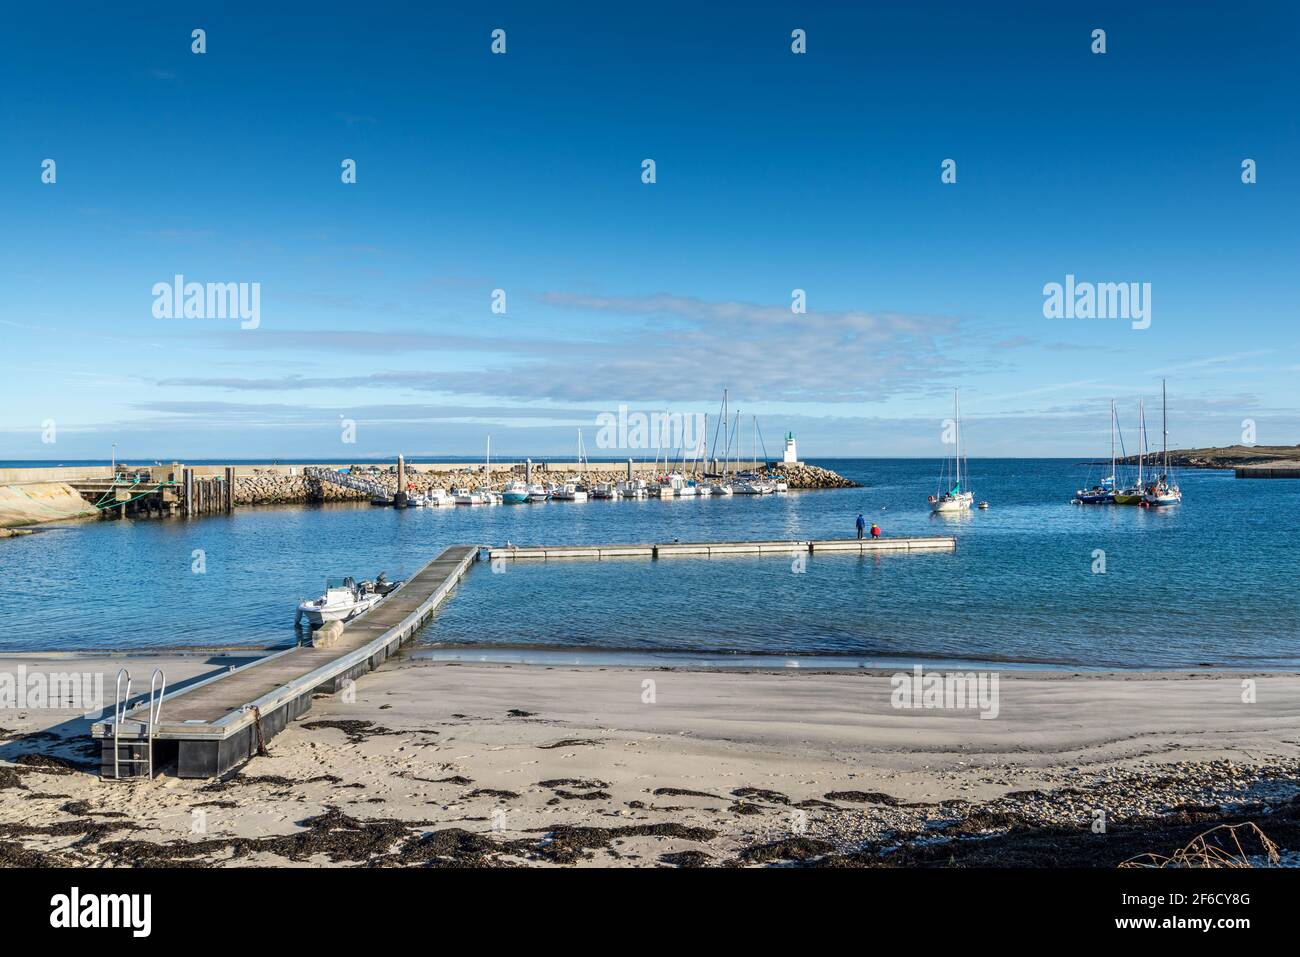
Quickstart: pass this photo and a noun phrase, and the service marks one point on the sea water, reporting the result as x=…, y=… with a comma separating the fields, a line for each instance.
x=1034, y=580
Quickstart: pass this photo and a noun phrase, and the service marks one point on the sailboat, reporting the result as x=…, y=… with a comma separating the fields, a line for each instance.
x=720, y=485
x=1164, y=490
x=1134, y=494
x=956, y=499
x=1104, y=492
x=484, y=492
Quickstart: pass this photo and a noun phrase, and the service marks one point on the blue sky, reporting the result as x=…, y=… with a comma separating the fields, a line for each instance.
x=522, y=172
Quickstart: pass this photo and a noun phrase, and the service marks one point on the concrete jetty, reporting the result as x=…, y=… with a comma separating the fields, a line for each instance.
x=211, y=726
x=929, y=543
x=1286, y=469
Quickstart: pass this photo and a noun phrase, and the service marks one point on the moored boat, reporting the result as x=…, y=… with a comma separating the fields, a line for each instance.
x=956, y=498
x=515, y=493
x=1136, y=494
x=344, y=600
x=569, y=492
x=1103, y=493
x=633, y=489
x=1164, y=490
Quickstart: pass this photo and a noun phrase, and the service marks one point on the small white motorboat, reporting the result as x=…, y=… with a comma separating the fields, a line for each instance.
x=537, y=492
x=344, y=600
x=633, y=489
x=569, y=492
x=604, y=490
x=463, y=496
x=437, y=498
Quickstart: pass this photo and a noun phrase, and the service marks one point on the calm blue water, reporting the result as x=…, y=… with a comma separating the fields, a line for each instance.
x=1211, y=582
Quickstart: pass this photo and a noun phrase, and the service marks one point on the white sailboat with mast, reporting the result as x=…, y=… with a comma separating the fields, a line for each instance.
x=1104, y=492
x=956, y=498
x=1164, y=490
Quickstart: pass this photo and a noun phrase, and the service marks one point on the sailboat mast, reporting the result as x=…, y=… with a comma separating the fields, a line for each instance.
x=726, y=443
x=1164, y=425
x=1112, y=444
x=735, y=431
x=1142, y=450
x=956, y=406
x=700, y=447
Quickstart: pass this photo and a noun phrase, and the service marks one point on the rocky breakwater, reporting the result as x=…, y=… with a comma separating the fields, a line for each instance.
x=811, y=477
x=273, y=488
x=269, y=487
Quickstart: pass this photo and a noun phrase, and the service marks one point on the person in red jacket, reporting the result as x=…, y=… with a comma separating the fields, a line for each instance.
x=875, y=530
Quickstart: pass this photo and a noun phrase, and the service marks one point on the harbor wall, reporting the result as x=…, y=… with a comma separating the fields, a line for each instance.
x=273, y=487
x=41, y=494
x=58, y=473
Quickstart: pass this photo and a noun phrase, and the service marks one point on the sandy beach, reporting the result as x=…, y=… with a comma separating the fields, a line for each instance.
x=435, y=763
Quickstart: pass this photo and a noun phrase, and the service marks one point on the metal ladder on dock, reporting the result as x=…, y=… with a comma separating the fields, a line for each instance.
x=157, y=688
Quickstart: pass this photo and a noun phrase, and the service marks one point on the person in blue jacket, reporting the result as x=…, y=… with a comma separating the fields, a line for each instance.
x=862, y=525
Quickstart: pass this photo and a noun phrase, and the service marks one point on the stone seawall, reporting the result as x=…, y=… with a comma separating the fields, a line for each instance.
x=272, y=488
x=275, y=489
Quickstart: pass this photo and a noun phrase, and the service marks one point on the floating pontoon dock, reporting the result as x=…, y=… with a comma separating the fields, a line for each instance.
x=709, y=549
x=211, y=726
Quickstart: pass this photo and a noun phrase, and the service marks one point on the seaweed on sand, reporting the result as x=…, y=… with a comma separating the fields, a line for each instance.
x=567, y=843
x=761, y=794
x=685, y=792
x=355, y=730
x=786, y=849
x=863, y=797
x=337, y=836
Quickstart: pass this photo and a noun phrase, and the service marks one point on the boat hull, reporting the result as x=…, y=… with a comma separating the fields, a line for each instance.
x=1096, y=498
x=950, y=504
x=317, y=615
